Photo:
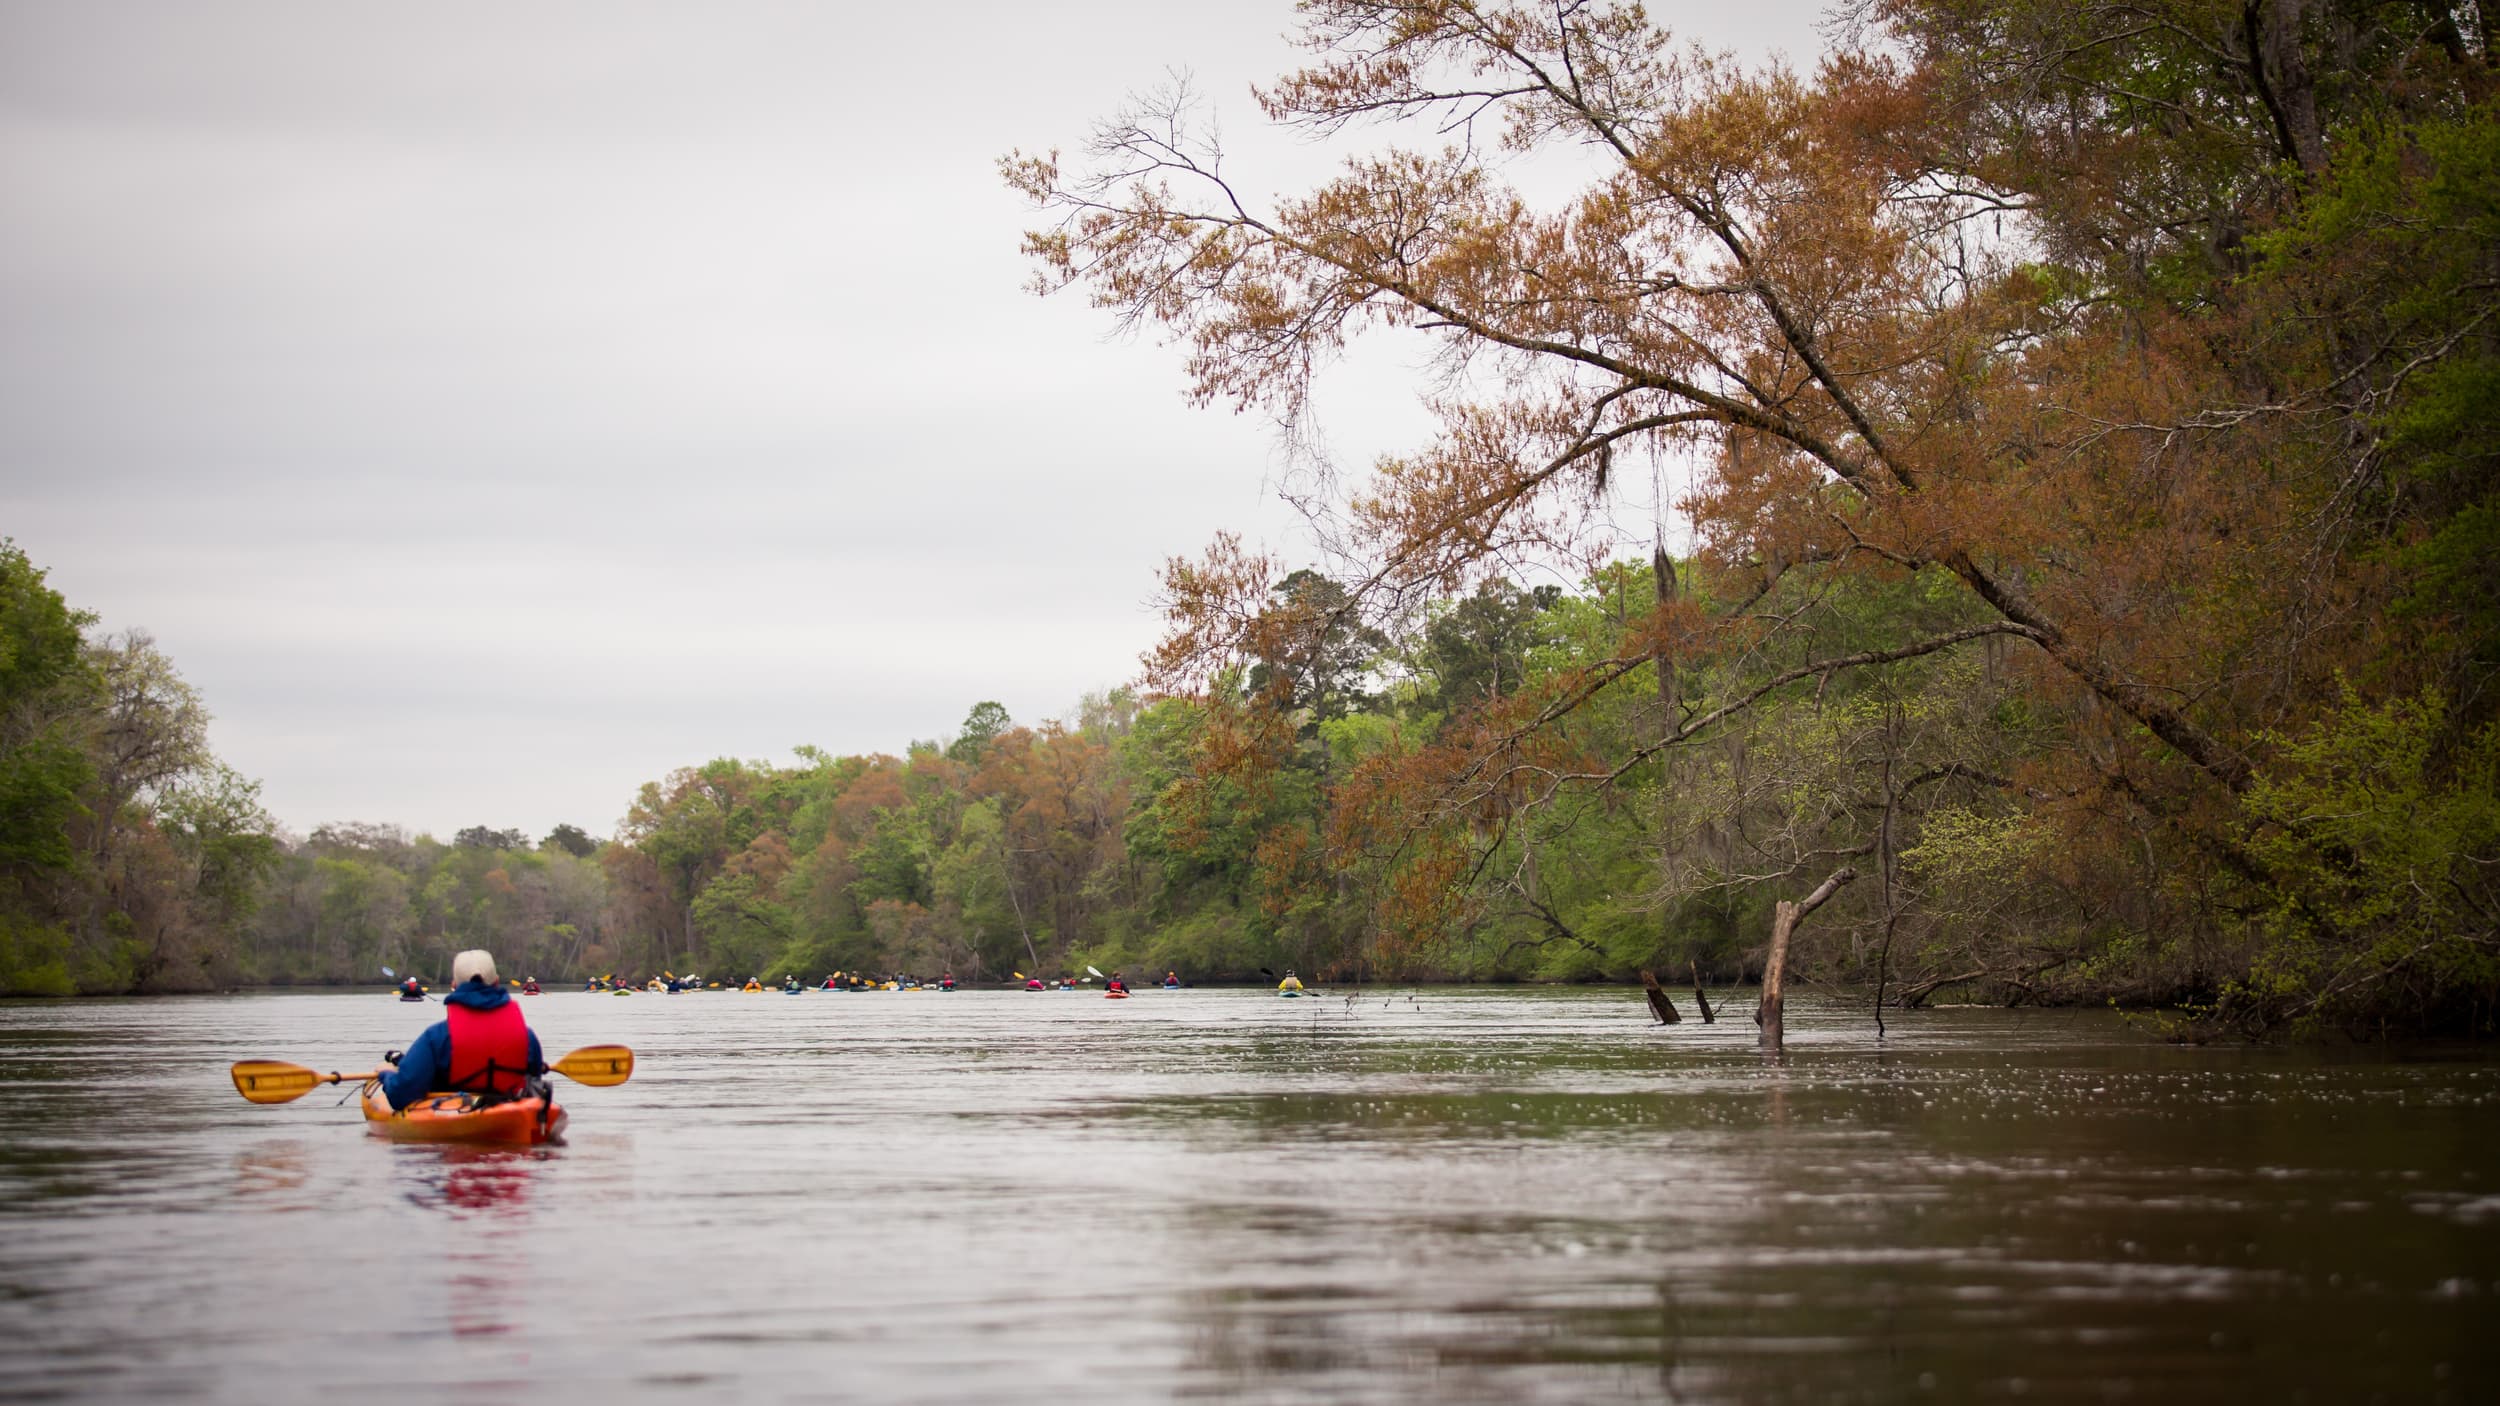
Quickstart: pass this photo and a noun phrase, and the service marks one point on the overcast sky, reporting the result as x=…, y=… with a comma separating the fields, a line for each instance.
x=491, y=407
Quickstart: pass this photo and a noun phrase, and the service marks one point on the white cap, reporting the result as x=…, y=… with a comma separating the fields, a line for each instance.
x=476, y=962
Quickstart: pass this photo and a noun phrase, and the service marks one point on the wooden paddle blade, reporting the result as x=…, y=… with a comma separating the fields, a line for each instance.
x=599, y=1066
x=269, y=1081
x=274, y=1081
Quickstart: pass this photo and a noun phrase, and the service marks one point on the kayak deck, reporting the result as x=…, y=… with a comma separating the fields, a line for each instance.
x=448, y=1118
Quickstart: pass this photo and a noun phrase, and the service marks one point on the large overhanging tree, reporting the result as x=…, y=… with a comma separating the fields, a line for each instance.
x=1987, y=299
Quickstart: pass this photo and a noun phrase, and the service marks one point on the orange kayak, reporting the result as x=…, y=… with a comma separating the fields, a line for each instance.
x=448, y=1118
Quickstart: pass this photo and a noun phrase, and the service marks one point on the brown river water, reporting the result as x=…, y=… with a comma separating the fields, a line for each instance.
x=1469, y=1195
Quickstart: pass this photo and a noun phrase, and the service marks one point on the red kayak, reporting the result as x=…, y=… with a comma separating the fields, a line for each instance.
x=1115, y=995
x=455, y=1118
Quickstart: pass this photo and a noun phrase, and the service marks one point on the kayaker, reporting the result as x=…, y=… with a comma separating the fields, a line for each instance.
x=1290, y=983
x=1171, y=981
x=412, y=990
x=946, y=981
x=480, y=1046
x=1034, y=983
x=1118, y=982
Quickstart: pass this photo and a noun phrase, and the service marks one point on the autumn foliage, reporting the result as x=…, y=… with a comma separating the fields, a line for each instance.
x=2084, y=406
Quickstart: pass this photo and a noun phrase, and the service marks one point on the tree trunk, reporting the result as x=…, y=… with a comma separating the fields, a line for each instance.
x=2280, y=72
x=1662, y=571
x=1707, y=1018
x=1883, y=860
x=1660, y=1004
x=1785, y=916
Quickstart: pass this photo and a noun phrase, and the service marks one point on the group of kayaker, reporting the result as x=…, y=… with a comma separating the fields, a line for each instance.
x=666, y=981
x=900, y=981
x=414, y=990
x=482, y=1046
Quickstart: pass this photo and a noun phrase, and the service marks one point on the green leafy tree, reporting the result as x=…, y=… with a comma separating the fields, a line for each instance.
x=45, y=679
x=982, y=725
x=571, y=839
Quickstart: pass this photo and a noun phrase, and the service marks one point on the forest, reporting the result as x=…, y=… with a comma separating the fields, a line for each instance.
x=2089, y=573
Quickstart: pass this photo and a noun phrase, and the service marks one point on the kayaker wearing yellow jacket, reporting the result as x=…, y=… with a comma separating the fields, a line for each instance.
x=1290, y=983
x=480, y=1046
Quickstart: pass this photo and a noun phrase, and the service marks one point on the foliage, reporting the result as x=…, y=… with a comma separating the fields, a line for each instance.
x=2381, y=868
x=130, y=857
x=2077, y=393
x=982, y=725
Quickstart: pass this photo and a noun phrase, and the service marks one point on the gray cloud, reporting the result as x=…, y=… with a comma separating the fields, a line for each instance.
x=491, y=407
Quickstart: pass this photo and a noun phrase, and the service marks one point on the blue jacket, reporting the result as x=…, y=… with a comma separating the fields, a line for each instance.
x=422, y=1069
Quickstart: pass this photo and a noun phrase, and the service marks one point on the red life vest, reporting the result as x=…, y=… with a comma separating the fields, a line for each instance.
x=490, y=1050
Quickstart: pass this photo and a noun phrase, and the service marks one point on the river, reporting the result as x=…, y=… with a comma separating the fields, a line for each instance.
x=1443, y=1195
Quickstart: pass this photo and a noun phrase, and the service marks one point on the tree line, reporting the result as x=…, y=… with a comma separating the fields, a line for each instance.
x=1360, y=802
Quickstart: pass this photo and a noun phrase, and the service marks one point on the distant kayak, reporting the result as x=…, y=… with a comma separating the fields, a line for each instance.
x=406, y=997
x=1115, y=995
x=1288, y=995
x=448, y=1118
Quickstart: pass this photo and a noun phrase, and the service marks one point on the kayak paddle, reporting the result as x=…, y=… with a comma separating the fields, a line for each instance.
x=275, y=1081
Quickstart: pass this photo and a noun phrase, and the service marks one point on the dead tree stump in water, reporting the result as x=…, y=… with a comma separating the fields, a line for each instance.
x=1785, y=916
x=1660, y=1004
x=1701, y=1000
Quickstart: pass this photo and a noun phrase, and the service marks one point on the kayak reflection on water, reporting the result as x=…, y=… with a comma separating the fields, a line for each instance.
x=466, y=1180
x=473, y=1183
